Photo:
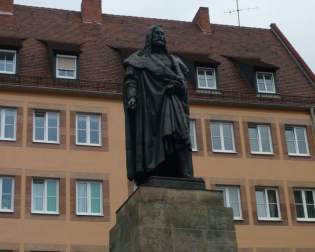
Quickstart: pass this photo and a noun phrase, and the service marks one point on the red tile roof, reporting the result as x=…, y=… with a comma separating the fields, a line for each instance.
x=103, y=45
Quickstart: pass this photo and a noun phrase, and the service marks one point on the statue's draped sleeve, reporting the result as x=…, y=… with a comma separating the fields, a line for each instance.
x=131, y=79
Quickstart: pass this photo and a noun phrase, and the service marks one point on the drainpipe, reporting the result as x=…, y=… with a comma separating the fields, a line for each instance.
x=312, y=110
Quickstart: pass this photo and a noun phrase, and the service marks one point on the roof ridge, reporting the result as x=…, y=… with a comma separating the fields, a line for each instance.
x=139, y=17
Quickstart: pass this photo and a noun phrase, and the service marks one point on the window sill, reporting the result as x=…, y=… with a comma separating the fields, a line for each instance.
x=262, y=153
x=238, y=219
x=299, y=155
x=268, y=95
x=90, y=215
x=8, y=73
x=270, y=220
x=6, y=211
x=44, y=213
x=7, y=140
x=224, y=152
x=43, y=142
x=89, y=145
x=208, y=91
x=306, y=220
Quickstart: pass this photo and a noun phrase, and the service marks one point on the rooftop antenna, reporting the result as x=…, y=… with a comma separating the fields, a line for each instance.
x=238, y=10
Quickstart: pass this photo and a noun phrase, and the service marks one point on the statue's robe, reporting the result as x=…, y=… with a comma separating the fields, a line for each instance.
x=159, y=125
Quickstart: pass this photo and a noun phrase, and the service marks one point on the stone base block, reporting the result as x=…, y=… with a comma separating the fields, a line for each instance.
x=157, y=219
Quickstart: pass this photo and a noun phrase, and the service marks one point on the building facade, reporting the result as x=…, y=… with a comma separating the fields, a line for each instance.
x=62, y=169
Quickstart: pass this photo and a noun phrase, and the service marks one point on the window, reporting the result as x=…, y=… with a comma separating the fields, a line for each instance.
x=267, y=203
x=6, y=194
x=296, y=139
x=46, y=127
x=232, y=199
x=265, y=83
x=260, y=139
x=305, y=204
x=7, y=124
x=222, y=137
x=88, y=129
x=45, y=196
x=193, y=136
x=66, y=66
x=7, y=61
x=89, y=199
x=206, y=78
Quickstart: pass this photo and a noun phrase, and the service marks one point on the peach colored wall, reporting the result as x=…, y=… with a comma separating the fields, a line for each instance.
x=23, y=160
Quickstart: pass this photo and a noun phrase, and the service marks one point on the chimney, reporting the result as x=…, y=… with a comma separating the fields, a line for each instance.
x=202, y=20
x=6, y=7
x=91, y=11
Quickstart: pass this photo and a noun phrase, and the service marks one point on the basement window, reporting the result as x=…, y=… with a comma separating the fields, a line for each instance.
x=7, y=61
x=66, y=66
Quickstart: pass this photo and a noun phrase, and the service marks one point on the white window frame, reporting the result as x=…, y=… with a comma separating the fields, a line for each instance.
x=88, y=140
x=12, y=195
x=205, y=69
x=268, y=218
x=46, y=128
x=307, y=154
x=89, y=212
x=2, y=117
x=45, y=211
x=14, y=61
x=305, y=205
x=75, y=68
x=225, y=190
x=221, y=123
x=192, y=126
x=258, y=127
x=273, y=81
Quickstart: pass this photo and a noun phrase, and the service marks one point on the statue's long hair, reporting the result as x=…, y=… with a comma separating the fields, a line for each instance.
x=148, y=41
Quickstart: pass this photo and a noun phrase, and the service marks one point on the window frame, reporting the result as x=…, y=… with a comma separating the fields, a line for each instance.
x=88, y=130
x=225, y=190
x=205, y=74
x=192, y=126
x=67, y=56
x=258, y=127
x=273, y=81
x=46, y=127
x=268, y=218
x=2, y=124
x=12, y=194
x=297, y=154
x=88, y=192
x=14, y=61
x=221, y=123
x=305, y=219
x=33, y=211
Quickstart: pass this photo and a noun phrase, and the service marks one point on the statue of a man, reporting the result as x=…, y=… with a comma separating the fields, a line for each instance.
x=156, y=112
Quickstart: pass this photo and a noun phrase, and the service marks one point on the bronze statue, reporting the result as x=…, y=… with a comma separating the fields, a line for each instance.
x=156, y=112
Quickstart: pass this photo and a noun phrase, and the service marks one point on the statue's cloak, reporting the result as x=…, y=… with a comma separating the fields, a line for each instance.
x=160, y=122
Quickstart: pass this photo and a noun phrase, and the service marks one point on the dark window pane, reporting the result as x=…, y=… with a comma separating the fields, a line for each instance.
x=299, y=211
x=274, y=211
x=298, y=197
x=309, y=197
x=311, y=211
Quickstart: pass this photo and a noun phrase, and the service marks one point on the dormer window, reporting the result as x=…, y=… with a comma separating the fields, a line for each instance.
x=206, y=78
x=7, y=61
x=66, y=66
x=265, y=83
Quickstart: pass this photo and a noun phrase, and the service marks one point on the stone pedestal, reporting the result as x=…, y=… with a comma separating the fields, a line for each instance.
x=173, y=219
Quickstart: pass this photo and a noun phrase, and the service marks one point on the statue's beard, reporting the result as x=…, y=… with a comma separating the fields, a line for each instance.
x=158, y=47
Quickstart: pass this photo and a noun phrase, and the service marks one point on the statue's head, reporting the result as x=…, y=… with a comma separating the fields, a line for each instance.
x=155, y=39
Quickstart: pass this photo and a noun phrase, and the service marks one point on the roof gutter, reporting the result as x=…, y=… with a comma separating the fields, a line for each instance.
x=293, y=53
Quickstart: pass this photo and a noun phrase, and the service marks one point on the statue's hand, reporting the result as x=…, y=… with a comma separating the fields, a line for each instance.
x=132, y=103
x=170, y=89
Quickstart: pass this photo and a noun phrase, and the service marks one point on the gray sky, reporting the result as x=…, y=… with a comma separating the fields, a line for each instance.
x=296, y=19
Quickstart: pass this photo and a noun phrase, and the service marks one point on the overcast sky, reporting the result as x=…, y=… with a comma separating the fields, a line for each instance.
x=295, y=18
